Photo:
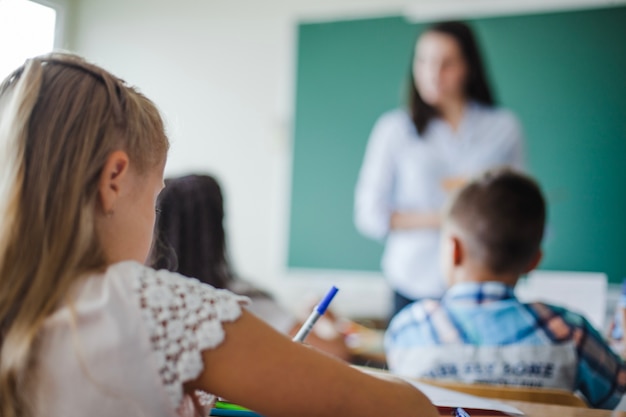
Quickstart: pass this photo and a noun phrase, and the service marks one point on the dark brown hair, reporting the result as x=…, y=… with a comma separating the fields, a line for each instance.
x=190, y=237
x=476, y=86
x=501, y=216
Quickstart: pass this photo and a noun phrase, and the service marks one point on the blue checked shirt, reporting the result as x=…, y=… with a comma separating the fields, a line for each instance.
x=480, y=332
x=618, y=333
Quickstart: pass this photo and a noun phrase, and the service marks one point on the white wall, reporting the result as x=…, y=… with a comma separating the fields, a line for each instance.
x=222, y=72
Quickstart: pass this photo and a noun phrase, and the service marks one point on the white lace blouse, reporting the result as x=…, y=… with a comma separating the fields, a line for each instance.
x=130, y=341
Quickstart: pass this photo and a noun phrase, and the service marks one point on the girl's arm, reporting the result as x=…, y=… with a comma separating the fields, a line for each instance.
x=263, y=370
x=334, y=345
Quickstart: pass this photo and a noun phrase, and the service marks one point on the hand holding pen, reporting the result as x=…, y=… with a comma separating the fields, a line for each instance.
x=226, y=409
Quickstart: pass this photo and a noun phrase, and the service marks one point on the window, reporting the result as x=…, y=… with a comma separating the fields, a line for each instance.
x=26, y=29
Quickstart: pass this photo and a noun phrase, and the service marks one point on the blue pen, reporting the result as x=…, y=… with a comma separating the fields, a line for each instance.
x=318, y=312
x=459, y=412
x=233, y=413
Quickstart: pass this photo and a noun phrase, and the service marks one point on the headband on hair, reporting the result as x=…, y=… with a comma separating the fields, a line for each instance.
x=113, y=84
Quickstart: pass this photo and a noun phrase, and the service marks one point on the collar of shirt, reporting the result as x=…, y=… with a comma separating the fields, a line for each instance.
x=473, y=293
x=438, y=127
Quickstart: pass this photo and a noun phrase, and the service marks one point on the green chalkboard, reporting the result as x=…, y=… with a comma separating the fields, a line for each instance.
x=563, y=74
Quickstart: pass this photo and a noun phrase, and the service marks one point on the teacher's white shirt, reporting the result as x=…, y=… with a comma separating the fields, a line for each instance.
x=403, y=171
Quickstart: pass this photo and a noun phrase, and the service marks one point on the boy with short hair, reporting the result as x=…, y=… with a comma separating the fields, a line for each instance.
x=479, y=331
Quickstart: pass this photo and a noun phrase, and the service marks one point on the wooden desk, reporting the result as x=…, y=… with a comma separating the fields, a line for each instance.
x=547, y=410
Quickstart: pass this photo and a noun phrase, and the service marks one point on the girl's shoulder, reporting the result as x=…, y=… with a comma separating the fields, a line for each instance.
x=181, y=317
x=143, y=281
x=168, y=297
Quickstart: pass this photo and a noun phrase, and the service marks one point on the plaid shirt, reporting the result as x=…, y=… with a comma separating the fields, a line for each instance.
x=618, y=333
x=477, y=322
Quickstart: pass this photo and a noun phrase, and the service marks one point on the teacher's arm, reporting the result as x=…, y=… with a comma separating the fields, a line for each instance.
x=373, y=197
x=375, y=213
x=415, y=220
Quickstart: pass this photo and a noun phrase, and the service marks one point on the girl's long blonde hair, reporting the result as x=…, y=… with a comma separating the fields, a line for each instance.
x=60, y=119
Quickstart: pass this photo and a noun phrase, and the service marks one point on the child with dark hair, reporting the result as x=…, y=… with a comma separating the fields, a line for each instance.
x=479, y=331
x=191, y=240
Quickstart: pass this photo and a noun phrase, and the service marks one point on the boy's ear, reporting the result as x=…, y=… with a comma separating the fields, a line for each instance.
x=534, y=262
x=112, y=178
x=457, y=250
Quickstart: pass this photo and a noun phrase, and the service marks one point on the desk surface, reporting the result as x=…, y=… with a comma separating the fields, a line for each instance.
x=547, y=410
x=531, y=409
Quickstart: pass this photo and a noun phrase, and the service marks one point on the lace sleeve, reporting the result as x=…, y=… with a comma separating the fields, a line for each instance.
x=183, y=318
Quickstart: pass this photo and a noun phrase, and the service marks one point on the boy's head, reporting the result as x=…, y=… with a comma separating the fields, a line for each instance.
x=493, y=228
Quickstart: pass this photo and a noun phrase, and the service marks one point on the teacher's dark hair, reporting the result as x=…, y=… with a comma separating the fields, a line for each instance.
x=476, y=86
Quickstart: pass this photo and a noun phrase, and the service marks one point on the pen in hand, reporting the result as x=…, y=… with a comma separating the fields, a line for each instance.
x=317, y=312
x=224, y=408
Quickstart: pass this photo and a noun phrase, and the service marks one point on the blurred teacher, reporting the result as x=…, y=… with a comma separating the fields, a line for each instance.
x=416, y=156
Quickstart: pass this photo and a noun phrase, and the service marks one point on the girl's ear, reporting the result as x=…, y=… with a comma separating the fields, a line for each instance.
x=113, y=178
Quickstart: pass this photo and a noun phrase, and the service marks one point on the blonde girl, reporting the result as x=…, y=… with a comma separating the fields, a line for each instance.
x=86, y=328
